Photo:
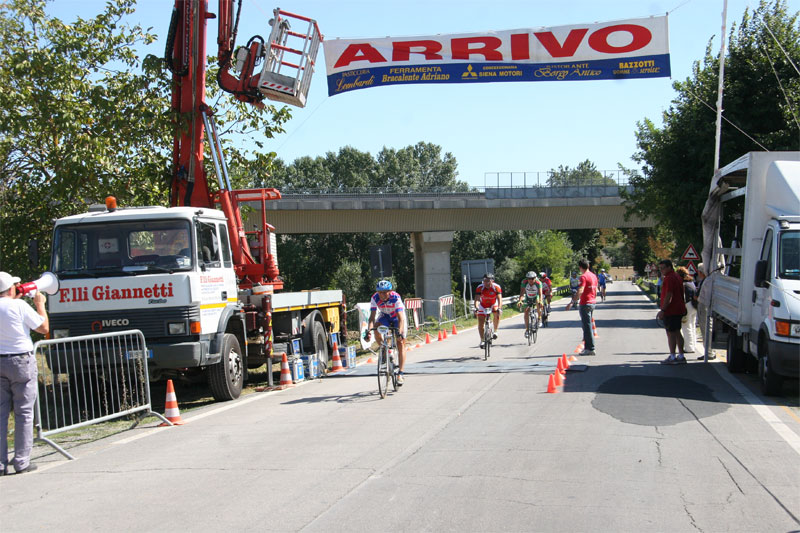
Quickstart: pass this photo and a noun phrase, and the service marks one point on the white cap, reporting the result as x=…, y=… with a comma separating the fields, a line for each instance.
x=6, y=281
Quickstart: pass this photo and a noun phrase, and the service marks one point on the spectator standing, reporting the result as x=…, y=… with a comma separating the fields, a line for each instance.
x=702, y=310
x=689, y=322
x=587, y=297
x=18, y=371
x=672, y=311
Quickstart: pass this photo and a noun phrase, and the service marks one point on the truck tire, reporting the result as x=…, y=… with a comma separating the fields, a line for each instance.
x=736, y=356
x=771, y=383
x=226, y=378
x=321, y=346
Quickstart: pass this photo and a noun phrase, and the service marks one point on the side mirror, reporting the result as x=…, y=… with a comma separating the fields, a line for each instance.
x=33, y=254
x=760, y=277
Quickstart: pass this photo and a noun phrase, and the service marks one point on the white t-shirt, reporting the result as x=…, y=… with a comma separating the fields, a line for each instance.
x=17, y=319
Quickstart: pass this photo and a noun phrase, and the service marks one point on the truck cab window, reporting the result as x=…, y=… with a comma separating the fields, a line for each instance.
x=207, y=245
x=766, y=252
x=789, y=255
x=225, y=244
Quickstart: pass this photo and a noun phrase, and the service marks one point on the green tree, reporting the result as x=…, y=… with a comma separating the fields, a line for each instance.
x=585, y=173
x=761, y=99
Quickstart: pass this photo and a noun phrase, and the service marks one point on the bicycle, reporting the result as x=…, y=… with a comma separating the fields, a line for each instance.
x=387, y=368
x=488, y=333
x=545, y=314
x=533, y=325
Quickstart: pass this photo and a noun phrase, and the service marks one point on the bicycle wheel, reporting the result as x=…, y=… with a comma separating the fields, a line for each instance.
x=487, y=338
x=534, y=326
x=383, y=374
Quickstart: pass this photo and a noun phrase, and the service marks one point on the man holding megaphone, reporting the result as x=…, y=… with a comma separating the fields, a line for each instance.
x=18, y=371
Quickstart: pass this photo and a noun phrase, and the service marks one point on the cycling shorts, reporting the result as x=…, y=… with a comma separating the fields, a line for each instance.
x=481, y=310
x=532, y=301
x=391, y=322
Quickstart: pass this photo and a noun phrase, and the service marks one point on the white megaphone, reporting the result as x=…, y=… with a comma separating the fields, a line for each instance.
x=47, y=284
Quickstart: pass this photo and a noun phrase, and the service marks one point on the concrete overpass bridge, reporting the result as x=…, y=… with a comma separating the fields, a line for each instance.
x=433, y=216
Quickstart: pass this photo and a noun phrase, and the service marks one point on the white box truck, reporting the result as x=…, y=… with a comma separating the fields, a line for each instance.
x=755, y=285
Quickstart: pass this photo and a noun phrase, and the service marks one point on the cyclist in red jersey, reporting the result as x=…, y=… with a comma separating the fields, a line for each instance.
x=547, y=287
x=488, y=296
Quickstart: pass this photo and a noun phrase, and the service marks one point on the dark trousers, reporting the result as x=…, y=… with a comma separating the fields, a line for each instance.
x=586, y=324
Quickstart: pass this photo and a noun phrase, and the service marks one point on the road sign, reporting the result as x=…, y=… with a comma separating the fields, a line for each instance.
x=380, y=258
x=691, y=268
x=690, y=254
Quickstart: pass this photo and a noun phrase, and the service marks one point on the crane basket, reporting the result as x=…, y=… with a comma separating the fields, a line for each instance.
x=283, y=80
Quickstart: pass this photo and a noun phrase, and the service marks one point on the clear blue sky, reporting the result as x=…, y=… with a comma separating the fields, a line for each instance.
x=491, y=127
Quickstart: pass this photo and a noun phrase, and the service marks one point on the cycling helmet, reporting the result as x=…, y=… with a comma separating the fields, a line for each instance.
x=384, y=285
x=543, y=274
x=602, y=270
x=531, y=274
x=488, y=276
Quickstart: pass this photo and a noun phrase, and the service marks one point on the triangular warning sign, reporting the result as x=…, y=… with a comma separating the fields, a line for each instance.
x=691, y=268
x=690, y=254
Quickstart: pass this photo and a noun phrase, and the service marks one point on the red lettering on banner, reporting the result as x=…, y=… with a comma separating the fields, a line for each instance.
x=359, y=52
x=401, y=51
x=520, y=46
x=556, y=49
x=641, y=38
x=461, y=48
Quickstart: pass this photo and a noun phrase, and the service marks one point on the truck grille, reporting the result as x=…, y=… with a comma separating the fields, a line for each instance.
x=151, y=322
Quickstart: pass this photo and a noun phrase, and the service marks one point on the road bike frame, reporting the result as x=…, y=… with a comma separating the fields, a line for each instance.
x=387, y=369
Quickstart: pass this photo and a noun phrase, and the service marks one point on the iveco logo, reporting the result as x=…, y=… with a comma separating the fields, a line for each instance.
x=98, y=325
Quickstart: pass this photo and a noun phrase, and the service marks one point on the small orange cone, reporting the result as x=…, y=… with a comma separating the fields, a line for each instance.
x=558, y=379
x=573, y=358
x=418, y=345
x=559, y=367
x=551, y=385
x=444, y=333
x=594, y=328
x=286, y=374
x=565, y=362
x=441, y=338
x=337, y=361
x=455, y=331
x=427, y=338
x=171, y=411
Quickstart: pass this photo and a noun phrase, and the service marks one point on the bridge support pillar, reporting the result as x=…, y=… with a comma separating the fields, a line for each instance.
x=432, y=267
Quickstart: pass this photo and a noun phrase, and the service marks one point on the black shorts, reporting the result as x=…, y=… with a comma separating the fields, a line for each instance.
x=672, y=322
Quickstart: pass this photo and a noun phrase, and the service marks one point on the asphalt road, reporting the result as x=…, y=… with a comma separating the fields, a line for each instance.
x=466, y=445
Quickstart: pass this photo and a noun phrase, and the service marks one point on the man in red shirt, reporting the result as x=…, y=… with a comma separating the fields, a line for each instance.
x=488, y=297
x=672, y=310
x=586, y=296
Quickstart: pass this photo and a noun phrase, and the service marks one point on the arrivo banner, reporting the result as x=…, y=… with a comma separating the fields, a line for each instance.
x=634, y=48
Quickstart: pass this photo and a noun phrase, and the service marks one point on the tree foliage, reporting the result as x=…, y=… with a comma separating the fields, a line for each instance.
x=761, y=109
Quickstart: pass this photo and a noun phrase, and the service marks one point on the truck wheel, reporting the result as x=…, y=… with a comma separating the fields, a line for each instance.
x=226, y=378
x=736, y=356
x=771, y=383
x=321, y=346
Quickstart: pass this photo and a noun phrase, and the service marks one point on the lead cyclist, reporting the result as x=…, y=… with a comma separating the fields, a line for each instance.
x=531, y=293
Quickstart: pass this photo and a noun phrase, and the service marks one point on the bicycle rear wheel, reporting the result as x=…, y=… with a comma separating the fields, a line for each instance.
x=383, y=373
x=534, y=325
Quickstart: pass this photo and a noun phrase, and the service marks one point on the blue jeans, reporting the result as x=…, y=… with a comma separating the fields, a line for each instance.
x=586, y=324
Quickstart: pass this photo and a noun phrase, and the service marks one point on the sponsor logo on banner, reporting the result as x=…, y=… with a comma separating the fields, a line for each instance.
x=635, y=48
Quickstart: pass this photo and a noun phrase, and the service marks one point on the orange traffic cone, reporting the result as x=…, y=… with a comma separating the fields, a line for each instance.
x=594, y=328
x=427, y=338
x=171, y=411
x=286, y=374
x=565, y=361
x=455, y=331
x=444, y=333
x=551, y=385
x=557, y=378
x=573, y=358
x=441, y=338
x=559, y=367
x=337, y=362
x=418, y=345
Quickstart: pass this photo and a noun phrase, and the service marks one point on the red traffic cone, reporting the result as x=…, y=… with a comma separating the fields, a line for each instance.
x=557, y=378
x=560, y=367
x=418, y=345
x=171, y=411
x=444, y=333
x=337, y=362
x=427, y=338
x=565, y=362
x=551, y=385
x=441, y=338
x=286, y=373
x=455, y=331
x=573, y=358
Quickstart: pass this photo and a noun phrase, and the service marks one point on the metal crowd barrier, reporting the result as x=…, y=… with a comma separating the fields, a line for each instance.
x=91, y=379
x=415, y=316
x=446, y=311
